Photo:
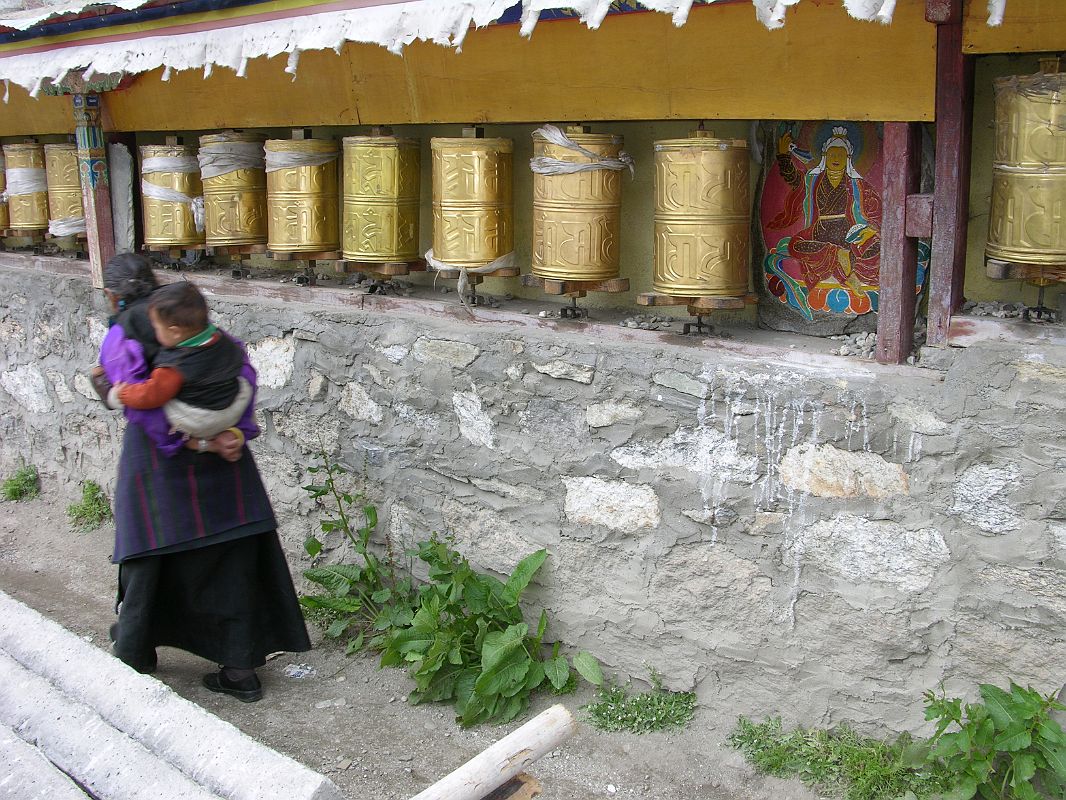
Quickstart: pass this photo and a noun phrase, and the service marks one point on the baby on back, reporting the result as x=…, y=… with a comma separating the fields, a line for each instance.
x=196, y=373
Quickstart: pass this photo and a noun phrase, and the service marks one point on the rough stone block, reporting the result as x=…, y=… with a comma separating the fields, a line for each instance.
x=618, y=505
x=475, y=424
x=273, y=358
x=981, y=494
x=445, y=351
x=564, y=370
x=600, y=415
x=828, y=472
x=28, y=387
x=356, y=402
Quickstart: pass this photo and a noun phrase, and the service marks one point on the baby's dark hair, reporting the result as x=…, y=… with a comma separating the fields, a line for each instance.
x=180, y=304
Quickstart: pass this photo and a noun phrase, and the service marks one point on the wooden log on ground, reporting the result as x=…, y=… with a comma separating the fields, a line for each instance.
x=504, y=760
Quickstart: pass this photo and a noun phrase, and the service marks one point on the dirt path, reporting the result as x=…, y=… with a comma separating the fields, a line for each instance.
x=348, y=719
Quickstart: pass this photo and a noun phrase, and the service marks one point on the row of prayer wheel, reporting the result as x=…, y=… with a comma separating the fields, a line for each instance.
x=43, y=186
x=1026, y=220
x=288, y=198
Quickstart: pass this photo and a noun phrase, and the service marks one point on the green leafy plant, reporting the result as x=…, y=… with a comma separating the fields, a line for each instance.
x=657, y=710
x=1006, y=747
x=839, y=763
x=93, y=510
x=468, y=643
x=25, y=484
x=359, y=598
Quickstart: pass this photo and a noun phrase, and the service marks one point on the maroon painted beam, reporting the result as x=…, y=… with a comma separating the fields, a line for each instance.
x=95, y=184
x=951, y=193
x=919, y=223
x=899, y=252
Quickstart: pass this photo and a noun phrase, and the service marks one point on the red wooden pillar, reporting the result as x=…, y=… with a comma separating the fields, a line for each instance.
x=899, y=252
x=954, y=124
x=95, y=185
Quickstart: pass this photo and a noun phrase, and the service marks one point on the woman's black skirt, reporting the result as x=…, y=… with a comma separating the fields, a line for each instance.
x=232, y=603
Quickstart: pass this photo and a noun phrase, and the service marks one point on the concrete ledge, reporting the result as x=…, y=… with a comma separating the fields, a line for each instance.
x=25, y=773
x=212, y=753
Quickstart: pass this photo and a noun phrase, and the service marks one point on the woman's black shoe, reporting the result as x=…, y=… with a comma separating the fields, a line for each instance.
x=247, y=690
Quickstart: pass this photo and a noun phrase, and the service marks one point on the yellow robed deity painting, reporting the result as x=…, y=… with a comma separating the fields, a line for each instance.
x=821, y=218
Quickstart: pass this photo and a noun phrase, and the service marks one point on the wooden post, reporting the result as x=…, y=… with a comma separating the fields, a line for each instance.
x=505, y=759
x=95, y=186
x=951, y=192
x=899, y=253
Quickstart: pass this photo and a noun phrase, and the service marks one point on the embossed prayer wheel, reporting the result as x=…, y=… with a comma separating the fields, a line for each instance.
x=473, y=207
x=1026, y=222
x=64, y=183
x=235, y=202
x=29, y=210
x=3, y=187
x=381, y=199
x=303, y=203
x=577, y=217
x=702, y=217
x=171, y=223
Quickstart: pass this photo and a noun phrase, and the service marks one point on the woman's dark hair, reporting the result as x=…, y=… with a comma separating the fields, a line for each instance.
x=180, y=304
x=129, y=276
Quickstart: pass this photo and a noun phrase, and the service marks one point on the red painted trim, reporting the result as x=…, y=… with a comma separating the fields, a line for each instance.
x=899, y=253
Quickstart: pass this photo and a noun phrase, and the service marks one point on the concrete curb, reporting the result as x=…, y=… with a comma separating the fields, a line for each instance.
x=209, y=751
x=25, y=774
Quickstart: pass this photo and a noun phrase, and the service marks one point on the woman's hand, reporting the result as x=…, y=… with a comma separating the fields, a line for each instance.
x=226, y=445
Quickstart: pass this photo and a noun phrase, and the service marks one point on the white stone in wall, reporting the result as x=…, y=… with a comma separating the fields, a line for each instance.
x=395, y=352
x=59, y=383
x=410, y=415
x=617, y=505
x=679, y=381
x=28, y=387
x=445, y=351
x=12, y=331
x=84, y=387
x=981, y=497
x=475, y=425
x=356, y=402
x=702, y=450
x=515, y=371
x=918, y=419
x=600, y=415
x=828, y=472
x=861, y=550
x=1046, y=587
x=564, y=370
x=1058, y=536
x=273, y=358
x=379, y=377
x=97, y=331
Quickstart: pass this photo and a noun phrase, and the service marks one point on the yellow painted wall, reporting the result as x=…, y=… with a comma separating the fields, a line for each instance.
x=1029, y=26
x=24, y=116
x=723, y=64
x=978, y=286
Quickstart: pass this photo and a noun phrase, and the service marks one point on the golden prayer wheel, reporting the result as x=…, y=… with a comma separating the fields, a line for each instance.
x=235, y=202
x=303, y=204
x=702, y=217
x=1029, y=172
x=577, y=216
x=64, y=182
x=3, y=187
x=27, y=211
x=381, y=199
x=473, y=207
x=171, y=222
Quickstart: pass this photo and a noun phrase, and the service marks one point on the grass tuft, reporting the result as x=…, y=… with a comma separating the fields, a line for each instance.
x=838, y=763
x=657, y=710
x=25, y=484
x=93, y=510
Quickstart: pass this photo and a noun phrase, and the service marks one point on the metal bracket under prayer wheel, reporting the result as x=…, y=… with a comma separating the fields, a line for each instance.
x=574, y=290
x=697, y=307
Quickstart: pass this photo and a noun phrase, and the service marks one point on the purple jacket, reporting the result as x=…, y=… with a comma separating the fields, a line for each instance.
x=123, y=360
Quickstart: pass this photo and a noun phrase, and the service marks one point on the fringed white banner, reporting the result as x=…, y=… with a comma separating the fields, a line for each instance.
x=157, y=192
x=392, y=25
x=225, y=157
x=66, y=226
x=284, y=159
x=26, y=180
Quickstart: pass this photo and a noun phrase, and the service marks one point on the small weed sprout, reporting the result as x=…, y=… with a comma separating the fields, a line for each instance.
x=657, y=710
x=25, y=484
x=93, y=510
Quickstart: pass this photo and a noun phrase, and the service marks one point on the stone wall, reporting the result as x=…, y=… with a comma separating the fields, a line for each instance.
x=788, y=533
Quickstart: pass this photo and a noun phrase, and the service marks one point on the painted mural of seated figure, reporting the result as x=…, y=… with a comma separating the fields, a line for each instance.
x=841, y=215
